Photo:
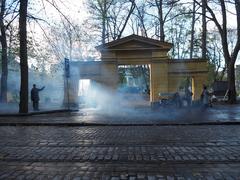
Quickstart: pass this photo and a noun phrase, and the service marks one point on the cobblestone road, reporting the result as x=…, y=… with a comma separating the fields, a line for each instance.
x=120, y=152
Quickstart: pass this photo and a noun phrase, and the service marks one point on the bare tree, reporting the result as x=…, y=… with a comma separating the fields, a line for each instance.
x=116, y=19
x=23, y=106
x=204, y=30
x=99, y=8
x=3, y=95
x=141, y=13
x=113, y=15
x=193, y=29
x=215, y=55
x=162, y=15
x=230, y=57
x=133, y=5
x=178, y=33
x=7, y=16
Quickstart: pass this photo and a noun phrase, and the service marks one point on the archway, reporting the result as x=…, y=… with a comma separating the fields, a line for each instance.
x=165, y=73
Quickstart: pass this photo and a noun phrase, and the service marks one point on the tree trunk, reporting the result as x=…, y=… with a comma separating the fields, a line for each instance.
x=161, y=21
x=23, y=106
x=193, y=30
x=127, y=18
x=104, y=20
x=232, y=95
x=231, y=84
x=204, y=30
x=222, y=74
x=3, y=95
x=103, y=29
x=229, y=59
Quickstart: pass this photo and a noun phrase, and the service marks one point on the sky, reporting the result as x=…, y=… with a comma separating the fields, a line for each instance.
x=77, y=11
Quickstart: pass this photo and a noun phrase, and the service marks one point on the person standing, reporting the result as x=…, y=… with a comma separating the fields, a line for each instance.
x=188, y=97
x=177, y=100
x=205, y=97
x=35, y=97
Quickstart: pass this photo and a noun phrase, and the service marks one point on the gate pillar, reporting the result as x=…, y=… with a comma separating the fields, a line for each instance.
x=197, y=85
x=158, y=80
x=109, y=75
x=71, y=86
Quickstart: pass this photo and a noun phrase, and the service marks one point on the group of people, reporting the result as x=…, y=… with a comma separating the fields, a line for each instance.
x=205, y=97
x=186, y=98
x=181, y=97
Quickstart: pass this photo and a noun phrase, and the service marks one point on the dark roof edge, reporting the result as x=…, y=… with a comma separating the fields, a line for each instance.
x=132, y=37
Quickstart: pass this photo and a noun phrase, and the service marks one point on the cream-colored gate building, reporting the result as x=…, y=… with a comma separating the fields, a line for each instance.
x=165, y=73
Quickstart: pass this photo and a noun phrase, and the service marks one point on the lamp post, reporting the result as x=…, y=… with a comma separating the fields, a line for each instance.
x=67, y=75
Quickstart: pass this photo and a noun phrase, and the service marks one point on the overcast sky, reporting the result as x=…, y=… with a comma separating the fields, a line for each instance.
x=77, y=11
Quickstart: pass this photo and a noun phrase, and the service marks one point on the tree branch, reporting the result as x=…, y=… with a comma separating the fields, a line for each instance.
x=237, y=47
x=127, y=18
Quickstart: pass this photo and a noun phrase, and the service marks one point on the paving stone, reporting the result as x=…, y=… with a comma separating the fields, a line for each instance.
x=120, y=152
x=114, y=178
x=151, y=177
x=20, y=177
x=132, y=178
x=123, y=176
x=105, y=177
x=170, y=178
x=140, y=176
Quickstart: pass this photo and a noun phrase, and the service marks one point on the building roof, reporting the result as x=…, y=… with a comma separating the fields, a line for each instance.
x=136, y=41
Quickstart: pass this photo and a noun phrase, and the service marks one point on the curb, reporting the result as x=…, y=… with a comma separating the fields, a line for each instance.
x=109, y=124
x=37, y=112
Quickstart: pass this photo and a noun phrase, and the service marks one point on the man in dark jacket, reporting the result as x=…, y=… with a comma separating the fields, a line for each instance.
x=35, y=96
x=188, y=96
